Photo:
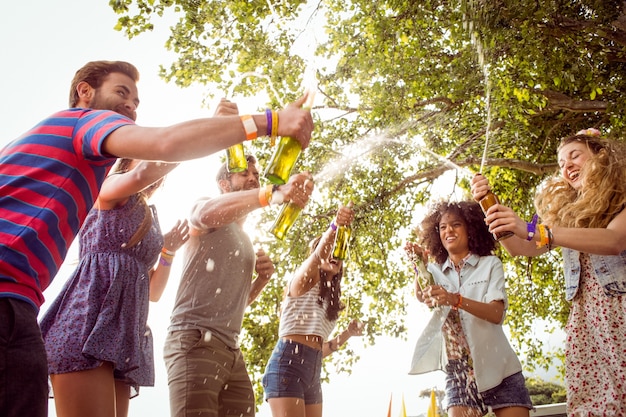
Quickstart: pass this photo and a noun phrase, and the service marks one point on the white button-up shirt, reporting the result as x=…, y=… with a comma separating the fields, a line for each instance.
x=481, y=279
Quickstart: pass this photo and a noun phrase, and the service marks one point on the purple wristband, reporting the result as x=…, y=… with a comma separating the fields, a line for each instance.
x=268, y=116
x=532, y=228
x=333, y=226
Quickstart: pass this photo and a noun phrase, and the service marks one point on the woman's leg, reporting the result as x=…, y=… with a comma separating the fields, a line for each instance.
x=512, y=412
x=287, y=407
x=85, y=393
x=458, y=411
x=122, y=398
x=313, y=410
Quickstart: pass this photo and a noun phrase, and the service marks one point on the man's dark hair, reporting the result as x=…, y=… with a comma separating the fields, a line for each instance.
x=94, y=73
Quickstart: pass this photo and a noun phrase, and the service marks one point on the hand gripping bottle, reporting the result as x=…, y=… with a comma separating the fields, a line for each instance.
x=487, y=201
x=424, y=278
x=342, y=240
x=286, y=154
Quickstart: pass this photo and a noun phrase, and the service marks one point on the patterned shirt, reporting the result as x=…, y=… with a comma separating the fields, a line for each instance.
x=49, y=180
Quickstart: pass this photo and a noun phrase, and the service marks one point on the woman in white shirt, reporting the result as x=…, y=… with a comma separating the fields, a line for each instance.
x=464, y=337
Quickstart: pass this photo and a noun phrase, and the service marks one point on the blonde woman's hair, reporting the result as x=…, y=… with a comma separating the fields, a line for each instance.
x=602, y=195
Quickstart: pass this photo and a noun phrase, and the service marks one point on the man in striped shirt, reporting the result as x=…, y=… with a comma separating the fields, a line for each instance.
x=49, y=179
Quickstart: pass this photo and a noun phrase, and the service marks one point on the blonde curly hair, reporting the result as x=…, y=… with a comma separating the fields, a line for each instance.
x=602, y=195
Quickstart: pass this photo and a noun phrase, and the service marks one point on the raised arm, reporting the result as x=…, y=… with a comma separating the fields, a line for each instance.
x=264, y=268
x=172, y=241
x=308, y=274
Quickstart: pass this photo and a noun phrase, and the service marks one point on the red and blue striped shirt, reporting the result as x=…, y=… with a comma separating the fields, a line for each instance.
x=49, y=180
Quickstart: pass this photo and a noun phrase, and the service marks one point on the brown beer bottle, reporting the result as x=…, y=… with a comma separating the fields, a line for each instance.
x=487, y=201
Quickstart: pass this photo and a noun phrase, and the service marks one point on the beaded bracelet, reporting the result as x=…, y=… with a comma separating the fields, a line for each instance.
x=532, y=228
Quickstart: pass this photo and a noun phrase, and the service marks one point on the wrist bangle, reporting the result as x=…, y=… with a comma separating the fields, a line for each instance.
x=550, y=238
x=532, y=228
x=268, y=117
x=544, y=239
x=333, y=226
x=164, y=262
x=249, y=126
x=274, y=132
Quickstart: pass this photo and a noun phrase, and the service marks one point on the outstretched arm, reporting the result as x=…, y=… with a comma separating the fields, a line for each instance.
x=599, y=241
x=197, y=138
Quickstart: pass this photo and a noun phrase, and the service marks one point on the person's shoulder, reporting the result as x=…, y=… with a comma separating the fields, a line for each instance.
x=489, y=259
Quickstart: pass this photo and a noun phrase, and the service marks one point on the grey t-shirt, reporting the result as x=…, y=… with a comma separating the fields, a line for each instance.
x=213, y=291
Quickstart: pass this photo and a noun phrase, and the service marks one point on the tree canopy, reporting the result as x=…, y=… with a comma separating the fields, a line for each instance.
x=408, y=93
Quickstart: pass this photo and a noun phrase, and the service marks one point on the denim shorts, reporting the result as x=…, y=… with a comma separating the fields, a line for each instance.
x=294, y=371
x=463, y=392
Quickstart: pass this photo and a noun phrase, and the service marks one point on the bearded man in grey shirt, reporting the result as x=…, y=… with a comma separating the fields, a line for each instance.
x=207, y=375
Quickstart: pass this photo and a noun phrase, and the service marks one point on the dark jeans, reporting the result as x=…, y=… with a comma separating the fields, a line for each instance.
x=23, y=363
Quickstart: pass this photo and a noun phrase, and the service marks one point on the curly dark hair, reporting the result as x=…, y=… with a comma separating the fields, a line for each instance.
x=330, y=289
x=481, y=241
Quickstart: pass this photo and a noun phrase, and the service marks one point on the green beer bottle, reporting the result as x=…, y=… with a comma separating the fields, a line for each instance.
x=283, y=160
x=236, y=158
x=342, y=242
x=286, y=218
x=287, y=152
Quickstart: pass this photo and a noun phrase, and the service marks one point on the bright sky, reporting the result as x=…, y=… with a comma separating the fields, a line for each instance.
x=43, y=43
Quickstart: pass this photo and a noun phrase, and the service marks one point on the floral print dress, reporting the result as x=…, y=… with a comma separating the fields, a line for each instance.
x=595, y=350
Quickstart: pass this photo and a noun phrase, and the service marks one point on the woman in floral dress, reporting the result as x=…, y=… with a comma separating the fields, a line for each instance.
x=583, y=211
x=95, y=332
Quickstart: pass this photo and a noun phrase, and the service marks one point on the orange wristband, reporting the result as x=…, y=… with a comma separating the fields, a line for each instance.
x=265, y=195
x=249, y=126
